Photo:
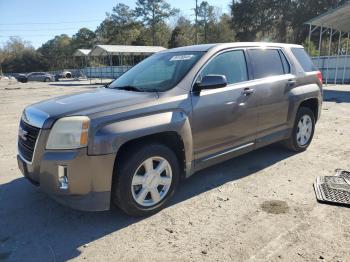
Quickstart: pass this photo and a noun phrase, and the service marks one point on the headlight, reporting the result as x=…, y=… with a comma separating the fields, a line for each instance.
x=69, y=133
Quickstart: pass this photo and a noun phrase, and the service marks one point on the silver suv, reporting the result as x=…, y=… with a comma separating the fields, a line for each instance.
x=176, y=112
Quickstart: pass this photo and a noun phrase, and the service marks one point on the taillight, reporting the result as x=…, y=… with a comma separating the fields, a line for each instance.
x=319, y=76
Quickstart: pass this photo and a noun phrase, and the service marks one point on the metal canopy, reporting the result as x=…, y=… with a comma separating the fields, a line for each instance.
x=82, y=52
x=338, y=18
x=103, y=50
x=334, y=24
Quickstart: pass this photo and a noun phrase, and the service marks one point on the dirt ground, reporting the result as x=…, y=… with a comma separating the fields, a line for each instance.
x=258, y=207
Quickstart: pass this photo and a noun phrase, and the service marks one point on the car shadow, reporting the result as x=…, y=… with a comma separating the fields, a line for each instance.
x=337, y=96
x=33, y=227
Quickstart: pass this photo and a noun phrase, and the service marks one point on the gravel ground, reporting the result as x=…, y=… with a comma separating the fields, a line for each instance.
x=257, y=207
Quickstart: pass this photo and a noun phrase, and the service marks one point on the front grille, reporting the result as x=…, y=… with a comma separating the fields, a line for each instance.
x=27, y=141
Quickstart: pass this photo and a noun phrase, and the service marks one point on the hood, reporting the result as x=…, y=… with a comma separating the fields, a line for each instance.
x=44, y=113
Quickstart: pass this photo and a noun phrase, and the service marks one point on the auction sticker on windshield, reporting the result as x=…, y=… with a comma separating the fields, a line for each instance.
x=181, y=57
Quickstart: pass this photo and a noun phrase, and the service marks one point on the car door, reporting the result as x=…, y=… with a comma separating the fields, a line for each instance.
x=39, y=77
x=31, y=77
x=273, y=82
x=224, y=118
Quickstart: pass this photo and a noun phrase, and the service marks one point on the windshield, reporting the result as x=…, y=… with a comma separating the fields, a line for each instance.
x=158, y=73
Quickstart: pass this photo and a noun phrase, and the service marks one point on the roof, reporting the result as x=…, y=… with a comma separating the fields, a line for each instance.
x=100, y=50
x=206, y=47
x=82, y=52
x=195, y=48
x=338, y=18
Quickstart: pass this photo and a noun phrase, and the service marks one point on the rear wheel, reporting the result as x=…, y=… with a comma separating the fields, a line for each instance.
x=47, y=80
x=303, y=130
x=145, y=179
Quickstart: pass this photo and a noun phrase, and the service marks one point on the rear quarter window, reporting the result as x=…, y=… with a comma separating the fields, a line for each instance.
x=266, y=62
x=303, y=59
x=285, y=63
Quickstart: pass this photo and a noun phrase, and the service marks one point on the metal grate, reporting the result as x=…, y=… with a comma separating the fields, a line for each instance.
x=342, y=173
x=333, y=189
x=26, y=140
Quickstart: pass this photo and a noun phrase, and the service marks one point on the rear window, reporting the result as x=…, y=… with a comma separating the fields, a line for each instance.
x=267, y=62
x=303, y=59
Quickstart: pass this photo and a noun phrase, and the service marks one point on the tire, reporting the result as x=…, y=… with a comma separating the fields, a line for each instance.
x=131, y=165
x=47, y=80
x=295, y=142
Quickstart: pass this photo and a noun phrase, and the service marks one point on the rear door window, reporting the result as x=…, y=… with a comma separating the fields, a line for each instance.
x=303, y=59
x=266, y=62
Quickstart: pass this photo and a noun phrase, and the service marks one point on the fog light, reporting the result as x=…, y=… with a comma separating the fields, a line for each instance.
x=63, y=177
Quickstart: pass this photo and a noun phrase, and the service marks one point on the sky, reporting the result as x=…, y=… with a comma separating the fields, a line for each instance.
x=38, y=21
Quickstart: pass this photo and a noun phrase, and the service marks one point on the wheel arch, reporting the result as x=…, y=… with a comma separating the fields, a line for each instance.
x=171, y=139
x=312, y=104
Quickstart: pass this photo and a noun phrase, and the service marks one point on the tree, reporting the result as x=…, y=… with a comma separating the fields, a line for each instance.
x=276, y=20
x=120, y=27
x=251, y=18
x=310, y=48
x=205, y=17
x=223, y=31
x=182, y=34
x=19, y=56
x=153, y=12
x=84, y=38
x=58, y=52
x=4, y=55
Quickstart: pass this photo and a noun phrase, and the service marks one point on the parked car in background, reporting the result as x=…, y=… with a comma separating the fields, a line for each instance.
x=22, y=78
x=174, y=113
x=65, y=74
x=35, y=76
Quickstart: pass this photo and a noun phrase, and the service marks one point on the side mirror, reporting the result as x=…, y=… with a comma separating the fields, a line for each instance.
x=210, y=82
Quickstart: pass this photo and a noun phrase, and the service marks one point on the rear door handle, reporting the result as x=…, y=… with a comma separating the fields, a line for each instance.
x=291, y=83
x=248, y=91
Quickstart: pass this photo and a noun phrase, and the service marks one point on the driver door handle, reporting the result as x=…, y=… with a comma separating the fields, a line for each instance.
x=247, y=91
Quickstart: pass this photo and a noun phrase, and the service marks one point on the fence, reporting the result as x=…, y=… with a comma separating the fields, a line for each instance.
x=335, y=69
x=111, y=72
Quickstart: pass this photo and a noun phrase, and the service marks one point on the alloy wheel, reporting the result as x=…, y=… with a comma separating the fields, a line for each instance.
x=151, y=181
x=304, y=130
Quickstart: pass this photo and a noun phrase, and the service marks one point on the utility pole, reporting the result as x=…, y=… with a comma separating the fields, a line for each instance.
x=196, y=25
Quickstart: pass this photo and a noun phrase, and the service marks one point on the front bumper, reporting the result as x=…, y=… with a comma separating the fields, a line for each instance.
x=89, y=177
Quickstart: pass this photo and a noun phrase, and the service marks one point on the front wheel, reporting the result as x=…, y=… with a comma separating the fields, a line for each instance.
x=145, y=179
x=303, y=130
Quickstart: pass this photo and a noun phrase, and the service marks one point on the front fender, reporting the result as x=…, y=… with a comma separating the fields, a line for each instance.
x=109, y=138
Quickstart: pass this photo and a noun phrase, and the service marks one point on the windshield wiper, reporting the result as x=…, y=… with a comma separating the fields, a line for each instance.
x=107, y=85
x=129, y=88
